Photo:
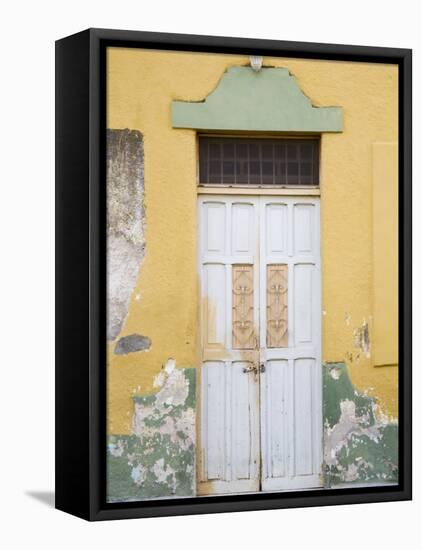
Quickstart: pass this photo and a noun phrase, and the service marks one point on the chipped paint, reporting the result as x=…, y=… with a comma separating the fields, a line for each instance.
x=335, y=373
x=158, y=459
x=361, y=339
x=360, y=442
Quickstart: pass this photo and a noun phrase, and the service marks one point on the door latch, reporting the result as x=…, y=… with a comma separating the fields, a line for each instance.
x=255, y=368
x=251, y=368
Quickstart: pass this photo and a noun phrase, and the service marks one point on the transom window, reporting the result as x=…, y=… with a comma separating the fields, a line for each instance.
x=256, y=162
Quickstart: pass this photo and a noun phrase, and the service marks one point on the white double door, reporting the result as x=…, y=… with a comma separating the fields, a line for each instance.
x=260, y=415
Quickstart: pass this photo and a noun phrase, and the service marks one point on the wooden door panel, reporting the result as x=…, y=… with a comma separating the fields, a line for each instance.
x=291, y=414
x=229, y=438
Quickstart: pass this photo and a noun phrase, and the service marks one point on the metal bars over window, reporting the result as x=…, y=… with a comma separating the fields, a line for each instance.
x=255, y=162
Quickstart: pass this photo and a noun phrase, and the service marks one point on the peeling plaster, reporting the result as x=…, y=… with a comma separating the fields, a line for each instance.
x=335, y=373
x=337, y=436
x=361, y=339
x=158, y=460
x=125, y=222
x=360, y=443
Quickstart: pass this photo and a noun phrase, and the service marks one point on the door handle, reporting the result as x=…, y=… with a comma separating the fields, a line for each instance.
x=262, y=367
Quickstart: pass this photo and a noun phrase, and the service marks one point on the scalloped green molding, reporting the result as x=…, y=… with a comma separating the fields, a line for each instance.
x=269, y=100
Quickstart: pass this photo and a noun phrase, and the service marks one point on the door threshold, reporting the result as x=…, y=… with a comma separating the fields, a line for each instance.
x=262, y=492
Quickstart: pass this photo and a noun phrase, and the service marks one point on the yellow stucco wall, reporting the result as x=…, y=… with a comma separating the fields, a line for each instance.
x=385, y=253
x=164, y=306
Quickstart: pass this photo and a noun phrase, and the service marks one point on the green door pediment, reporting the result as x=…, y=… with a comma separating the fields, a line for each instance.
x=269, y=100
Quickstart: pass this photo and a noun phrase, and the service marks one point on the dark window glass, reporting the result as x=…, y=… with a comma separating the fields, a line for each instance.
x=250, y=161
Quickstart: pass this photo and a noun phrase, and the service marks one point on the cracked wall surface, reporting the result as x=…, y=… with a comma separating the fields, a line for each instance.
x=360, y=443
x=158, y=459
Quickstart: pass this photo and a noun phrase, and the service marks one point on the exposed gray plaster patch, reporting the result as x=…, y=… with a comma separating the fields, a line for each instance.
x=125, y=222
x=132, y=343
x=338, y=436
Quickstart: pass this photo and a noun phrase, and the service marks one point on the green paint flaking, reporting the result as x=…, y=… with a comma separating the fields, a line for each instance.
x=358, y=448
x=190, y=375
x=267, y=100
x=158, y=460
x=144, y=399
x=337, y=388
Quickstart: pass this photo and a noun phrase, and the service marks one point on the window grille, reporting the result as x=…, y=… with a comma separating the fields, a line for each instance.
x=251, y=161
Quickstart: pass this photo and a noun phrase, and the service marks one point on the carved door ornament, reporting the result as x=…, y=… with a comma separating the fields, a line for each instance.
x=277, y=336
x=243, y=307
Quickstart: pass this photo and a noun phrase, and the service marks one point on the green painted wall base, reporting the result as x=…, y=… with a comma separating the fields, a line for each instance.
x=158, y=460
x=359, y=447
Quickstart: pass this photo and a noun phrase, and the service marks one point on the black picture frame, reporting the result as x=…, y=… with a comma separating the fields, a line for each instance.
x=81, y=270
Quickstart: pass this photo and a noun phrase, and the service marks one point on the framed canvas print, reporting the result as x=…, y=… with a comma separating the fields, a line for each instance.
x=233, y=274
